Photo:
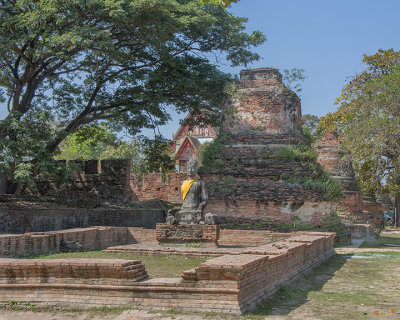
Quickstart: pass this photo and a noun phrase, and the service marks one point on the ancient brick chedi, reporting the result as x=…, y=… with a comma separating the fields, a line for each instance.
x=248, y=180
x=331, y=157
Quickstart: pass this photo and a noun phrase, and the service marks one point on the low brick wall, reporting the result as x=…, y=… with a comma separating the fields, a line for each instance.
x=42, y=220
x=230, y=283
x=95, y=238
x=250, y=237
x=143, y=235
x=72, y=271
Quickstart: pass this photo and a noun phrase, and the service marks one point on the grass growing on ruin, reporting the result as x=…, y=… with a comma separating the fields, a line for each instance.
x=392, y=238
x=157, y=266
x=93, y=312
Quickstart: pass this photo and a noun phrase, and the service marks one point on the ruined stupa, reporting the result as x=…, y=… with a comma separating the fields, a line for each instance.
x=362, y=207
x=246, y=179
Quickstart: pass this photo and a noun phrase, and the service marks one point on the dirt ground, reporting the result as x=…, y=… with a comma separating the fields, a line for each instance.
x=357, y=283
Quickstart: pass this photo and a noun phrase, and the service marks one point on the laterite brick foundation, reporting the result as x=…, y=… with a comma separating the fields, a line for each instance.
x=233, y=283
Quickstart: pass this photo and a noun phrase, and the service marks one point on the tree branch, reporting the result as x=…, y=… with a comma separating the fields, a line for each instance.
x=22, y=55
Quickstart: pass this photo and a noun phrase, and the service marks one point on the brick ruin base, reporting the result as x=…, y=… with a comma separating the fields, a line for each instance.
x=229, y=283
x=187, y=233
x=35, y=243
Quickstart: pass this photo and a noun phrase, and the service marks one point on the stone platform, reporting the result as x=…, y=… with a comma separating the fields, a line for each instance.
x=187, y=233
x=176, y=250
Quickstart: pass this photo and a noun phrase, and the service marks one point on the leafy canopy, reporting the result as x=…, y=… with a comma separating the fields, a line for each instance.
x=127, y=62
x=224, y=3
x=368, y=122
x=100, y=142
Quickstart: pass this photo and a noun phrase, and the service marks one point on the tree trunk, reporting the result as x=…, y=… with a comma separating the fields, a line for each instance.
x=397, y=209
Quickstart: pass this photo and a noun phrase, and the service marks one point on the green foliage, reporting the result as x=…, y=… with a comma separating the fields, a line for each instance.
x=211, y=154
x=325, y=184
x=223, y=186
x=265, y=151
x=309, y=124
x=157, y=155
x=371, y=100
x=293, y=79
x=22, y=145
x=319, y=181
x=224, y=3
x=88, y=142
x=99, y=142
x=200, y=153
x=296, y=153
x=295, y=219
x=78, y=62
x=333, y=224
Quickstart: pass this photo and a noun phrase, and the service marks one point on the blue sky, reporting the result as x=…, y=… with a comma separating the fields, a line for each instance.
x=325, y=38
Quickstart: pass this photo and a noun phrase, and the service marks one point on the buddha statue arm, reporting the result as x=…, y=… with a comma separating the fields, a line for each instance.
x=203, y=196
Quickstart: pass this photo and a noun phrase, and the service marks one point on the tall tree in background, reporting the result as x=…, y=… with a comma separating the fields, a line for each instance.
x=77, y=62
x=88, y=142
x=309, y=124
x=99, y=142
x=368, y=123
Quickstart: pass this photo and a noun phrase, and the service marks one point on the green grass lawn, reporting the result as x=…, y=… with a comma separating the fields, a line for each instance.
x=156, y=266
x=384, y=238
x=345, y=287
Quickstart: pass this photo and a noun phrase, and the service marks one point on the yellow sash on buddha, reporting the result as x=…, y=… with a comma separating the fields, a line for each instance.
x=186, y=185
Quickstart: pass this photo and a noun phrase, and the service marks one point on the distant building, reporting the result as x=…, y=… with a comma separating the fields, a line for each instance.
x=186, y=142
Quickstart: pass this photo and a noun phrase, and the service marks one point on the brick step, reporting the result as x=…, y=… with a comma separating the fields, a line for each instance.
x=138, y=275
x=259, y=171
x=190, y=275
x=134, y=267
x=265, y=191
x=251, y=153
x=265, y=139
x=137, y=271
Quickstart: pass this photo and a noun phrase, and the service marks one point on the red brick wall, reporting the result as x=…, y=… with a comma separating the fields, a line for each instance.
x=250, y=237
x=152, y=187
x=94, y=238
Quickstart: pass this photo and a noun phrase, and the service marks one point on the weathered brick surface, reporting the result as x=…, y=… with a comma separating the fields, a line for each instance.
x=252, y=182
x=71, y=271
x=143, y=235
x=330, y=156
x=42, y=220
x=152, y=187
x=230, y=283
x=94, y=238
x=187, y=233
x=112, y=180
x=249, y=237
x=263, y=104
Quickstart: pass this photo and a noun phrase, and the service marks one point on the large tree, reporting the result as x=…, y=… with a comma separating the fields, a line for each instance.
x=368, y=123
x=76, y=62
